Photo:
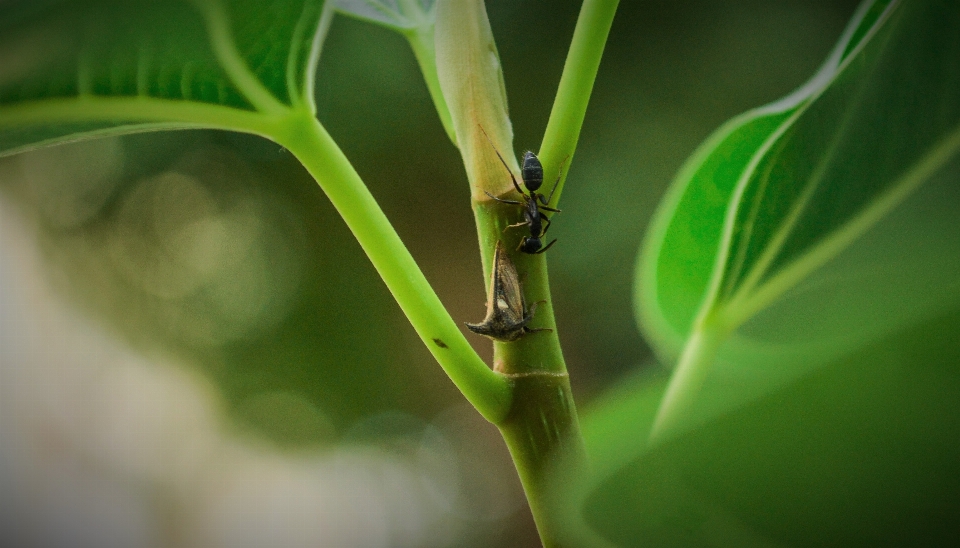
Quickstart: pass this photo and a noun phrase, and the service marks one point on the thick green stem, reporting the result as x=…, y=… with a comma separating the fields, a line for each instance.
x=576, y=84
x=543, y=435
x=541, y=430
x=310, y=143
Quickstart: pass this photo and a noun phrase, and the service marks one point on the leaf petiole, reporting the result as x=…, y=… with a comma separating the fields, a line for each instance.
x=576, y=85
x=688, y=378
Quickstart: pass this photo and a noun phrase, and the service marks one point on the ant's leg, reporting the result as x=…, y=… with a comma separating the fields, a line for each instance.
x=546, y=247
x=502, y=161
x=525, y=222
x=511, y=202
x=546, y=226
x=545, y=208
x=555, y=183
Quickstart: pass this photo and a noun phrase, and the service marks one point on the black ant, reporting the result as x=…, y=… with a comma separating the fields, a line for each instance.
x=532, y=174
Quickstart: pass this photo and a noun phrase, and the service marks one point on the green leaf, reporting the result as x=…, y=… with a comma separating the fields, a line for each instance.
x=807, y=258
x=888, y=123
x=794, y=236
x=860, y=453
x=86, y=68
x=402, y=15
x=679, y=254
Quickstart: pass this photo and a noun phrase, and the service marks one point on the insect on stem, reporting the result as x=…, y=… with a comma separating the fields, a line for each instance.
x=507, y=314
x=533, y=204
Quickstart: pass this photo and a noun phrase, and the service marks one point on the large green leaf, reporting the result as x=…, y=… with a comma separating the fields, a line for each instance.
x=861, y=453
x=789, y=227
x=74, y=69
x=818, y=239
x=680, y=250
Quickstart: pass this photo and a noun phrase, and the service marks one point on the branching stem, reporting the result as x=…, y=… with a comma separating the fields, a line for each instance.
x=489, y=392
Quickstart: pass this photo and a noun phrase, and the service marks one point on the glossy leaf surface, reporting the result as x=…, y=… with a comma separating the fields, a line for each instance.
x=790, y=227
x=681, y=248
x=98, y=67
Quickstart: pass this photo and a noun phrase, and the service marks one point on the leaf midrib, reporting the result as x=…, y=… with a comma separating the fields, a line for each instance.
x=93, y=108
x=726, y=311
x=735, y=312
x=786, y=107
x=267, y=120
x=775, y=245
x=225, y=49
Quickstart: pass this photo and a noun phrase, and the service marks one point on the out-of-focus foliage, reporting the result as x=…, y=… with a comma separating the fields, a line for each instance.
x=833, y=213
x=825, y=167
x=402, y=15
x=677, y=267
x=863, y=451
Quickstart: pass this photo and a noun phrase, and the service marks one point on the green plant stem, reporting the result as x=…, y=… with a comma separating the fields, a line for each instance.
x=543, y=435
x=688, y=378
x=576, y=84
x=541, y=430
x=422, y=43
x=489, y=392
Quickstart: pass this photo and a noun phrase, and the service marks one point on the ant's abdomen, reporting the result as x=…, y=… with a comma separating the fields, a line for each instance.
x=532, y=171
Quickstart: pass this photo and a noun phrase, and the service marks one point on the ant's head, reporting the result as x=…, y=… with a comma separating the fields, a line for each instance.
x=532, y=171
x=530, y=245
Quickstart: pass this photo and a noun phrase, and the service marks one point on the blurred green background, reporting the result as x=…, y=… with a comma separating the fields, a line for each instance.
x=217, y=251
